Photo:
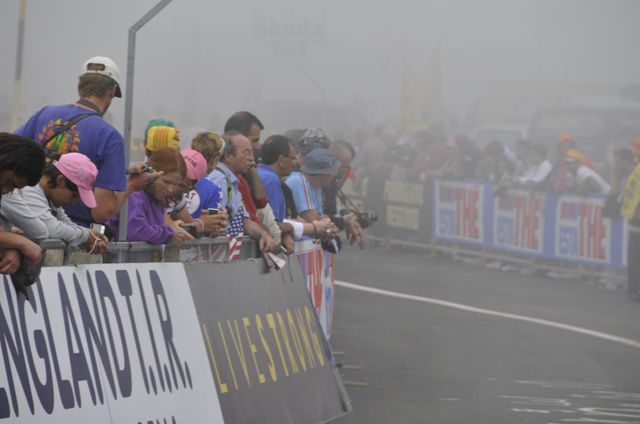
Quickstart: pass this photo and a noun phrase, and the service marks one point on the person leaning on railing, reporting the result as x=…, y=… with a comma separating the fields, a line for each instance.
x=146, y=220
x=38, y=211
x=21, y=163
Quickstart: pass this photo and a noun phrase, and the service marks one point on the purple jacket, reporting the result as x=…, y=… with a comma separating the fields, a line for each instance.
x=146, y=220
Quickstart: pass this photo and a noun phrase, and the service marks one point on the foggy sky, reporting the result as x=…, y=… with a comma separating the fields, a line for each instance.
x=199, y=61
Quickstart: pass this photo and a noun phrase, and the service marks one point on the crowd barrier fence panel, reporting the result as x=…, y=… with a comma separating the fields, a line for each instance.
x=518, y=224
x=112, y=338
x=107, y=343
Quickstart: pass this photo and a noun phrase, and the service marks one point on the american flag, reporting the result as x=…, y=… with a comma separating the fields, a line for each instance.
x=235, y=233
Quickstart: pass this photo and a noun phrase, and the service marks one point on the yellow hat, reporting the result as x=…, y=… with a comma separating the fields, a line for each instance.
x=572, y=155
x=161, y=136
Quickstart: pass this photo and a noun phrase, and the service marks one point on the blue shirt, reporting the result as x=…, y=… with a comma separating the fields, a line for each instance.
x=273, y=189
x=205, y=196
x=222, y=177
x=93, y=137
x=305, y=196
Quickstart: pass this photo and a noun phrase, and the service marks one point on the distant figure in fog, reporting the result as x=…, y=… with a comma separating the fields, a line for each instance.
x=538, y=167
x=566, y=142
x=582, y=179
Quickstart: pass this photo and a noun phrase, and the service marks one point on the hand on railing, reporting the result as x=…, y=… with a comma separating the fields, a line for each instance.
x=216, y=225
x=96, y=243
x=180, y=234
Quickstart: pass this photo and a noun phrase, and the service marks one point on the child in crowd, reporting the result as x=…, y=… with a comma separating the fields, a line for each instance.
x=146, y=220
x=38, y=211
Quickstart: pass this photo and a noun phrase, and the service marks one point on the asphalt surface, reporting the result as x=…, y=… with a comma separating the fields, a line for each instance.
x=439, y=363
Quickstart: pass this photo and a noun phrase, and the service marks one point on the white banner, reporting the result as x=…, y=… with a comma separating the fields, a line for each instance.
x=97, y=344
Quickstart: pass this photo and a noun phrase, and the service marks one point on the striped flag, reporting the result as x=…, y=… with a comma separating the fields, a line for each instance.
x=235, y=234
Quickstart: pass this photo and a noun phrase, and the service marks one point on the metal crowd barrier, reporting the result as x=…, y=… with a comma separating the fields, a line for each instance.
x=206, y=249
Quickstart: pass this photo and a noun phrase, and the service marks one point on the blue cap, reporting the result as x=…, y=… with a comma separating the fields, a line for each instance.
x=320, y=161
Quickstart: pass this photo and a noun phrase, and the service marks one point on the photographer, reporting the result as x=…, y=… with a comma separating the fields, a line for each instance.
x=346, y=219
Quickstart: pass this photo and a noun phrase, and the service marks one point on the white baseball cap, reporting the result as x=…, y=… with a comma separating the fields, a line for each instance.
x=104, y=66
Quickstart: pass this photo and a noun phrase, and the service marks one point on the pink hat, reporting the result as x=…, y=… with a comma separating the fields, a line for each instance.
x=196, y=164
x=79, y=169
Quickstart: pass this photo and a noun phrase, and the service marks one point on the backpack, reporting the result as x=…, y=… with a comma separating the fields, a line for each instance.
x=57, y=143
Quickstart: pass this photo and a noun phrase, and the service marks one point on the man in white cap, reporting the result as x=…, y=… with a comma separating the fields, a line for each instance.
x=79, y=127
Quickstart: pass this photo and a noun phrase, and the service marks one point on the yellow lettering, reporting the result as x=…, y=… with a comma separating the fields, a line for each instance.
x=316, y=342
x=296, y=340
x=253, y=349
x=267, y=349
x=223, y=386
x=272, y=325
x=285, y=338
x=226, y=350
x=237, y=342
x=305, y=338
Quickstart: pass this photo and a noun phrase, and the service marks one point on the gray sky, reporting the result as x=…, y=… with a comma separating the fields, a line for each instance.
x=199, y=61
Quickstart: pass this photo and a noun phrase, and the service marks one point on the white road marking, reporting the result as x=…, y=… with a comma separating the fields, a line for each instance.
x=473, y=309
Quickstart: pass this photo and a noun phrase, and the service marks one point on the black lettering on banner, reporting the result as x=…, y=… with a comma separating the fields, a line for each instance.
x=164, y=421
x=153, y=340
x=89, y=324
x=43, y=390
x=95, y=337
x=78, y=360
x=64, y=386
x=14, y=347
x=126, y=290
x=167, y=333
x=123, y=372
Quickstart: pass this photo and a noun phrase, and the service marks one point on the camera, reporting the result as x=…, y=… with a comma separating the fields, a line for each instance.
x=213, y=211
x=366, y=218
x=98, y=227
x=191, y=229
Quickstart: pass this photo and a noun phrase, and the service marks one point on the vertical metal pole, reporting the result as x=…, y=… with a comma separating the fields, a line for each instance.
x=17, y=83
x=128, y=102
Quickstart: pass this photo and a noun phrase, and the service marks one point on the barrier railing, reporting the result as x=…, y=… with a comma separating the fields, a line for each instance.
x=123, y=337
x=517, y=225
x=58, y=253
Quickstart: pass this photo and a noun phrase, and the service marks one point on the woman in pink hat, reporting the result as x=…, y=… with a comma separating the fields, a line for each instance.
x=179, y=209
x=38, y=211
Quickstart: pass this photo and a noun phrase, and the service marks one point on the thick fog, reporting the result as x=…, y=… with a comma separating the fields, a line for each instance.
x=199, y=61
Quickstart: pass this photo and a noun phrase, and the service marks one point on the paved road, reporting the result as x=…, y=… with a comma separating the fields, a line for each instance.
x=430, y=362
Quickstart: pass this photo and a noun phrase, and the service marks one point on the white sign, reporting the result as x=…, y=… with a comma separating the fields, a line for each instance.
x=97, y=344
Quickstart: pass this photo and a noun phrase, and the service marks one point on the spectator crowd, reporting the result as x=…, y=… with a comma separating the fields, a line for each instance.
x=63, y=175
